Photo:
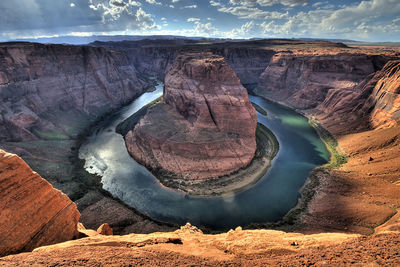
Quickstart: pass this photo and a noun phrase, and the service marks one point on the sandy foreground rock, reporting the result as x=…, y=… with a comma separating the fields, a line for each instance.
x=32, y=212
x=190, y=247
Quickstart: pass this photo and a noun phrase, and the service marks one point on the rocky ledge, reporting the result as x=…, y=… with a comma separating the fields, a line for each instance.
x=32, y=212
x=205, y=126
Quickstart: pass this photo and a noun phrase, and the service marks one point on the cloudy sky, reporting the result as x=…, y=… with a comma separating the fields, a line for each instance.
x=369, y=20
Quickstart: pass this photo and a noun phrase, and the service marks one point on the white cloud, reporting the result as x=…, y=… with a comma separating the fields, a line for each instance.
x=360, y=21
x=193, y=19
x=191, y=6
x=248, y=29
x=72, y=5
x=253, y=13
x=117, y=13
x=268, y=2
x=215, y=3
x=153, y=2
x=206, y=30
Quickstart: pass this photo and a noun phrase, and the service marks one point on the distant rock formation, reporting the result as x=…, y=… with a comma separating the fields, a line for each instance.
x=206, y=125
x=32, y=212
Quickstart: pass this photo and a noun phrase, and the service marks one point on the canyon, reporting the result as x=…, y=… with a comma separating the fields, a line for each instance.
x=353, y=92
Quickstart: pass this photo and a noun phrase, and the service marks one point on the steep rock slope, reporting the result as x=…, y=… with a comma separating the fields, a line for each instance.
x=32, y=212
x=53, y=91
x=304, y=80
x=373, y=103
x=206, y=126
x=385, y=97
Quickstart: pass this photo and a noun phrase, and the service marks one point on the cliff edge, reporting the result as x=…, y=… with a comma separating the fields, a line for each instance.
x=32, y=212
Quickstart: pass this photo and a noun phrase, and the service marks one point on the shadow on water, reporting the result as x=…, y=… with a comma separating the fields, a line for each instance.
x=268, y=200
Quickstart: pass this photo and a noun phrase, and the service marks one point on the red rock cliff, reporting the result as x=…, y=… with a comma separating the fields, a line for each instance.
x=57, y=90
x=304, y=80
x=205, y=128
x=373, y=103
x=32, y=212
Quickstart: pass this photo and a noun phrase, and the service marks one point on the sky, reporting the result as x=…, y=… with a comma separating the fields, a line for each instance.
x=369, y=20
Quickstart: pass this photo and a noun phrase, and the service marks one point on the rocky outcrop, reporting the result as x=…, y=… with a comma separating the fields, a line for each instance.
x=55, y=91
x=32, y=212
x=206, y=126
x=304, y=81
x=105, y=229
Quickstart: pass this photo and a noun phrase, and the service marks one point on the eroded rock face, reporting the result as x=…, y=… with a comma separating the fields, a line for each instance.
x=386, y=97
x=373, y=103
x=32, y=212
x=304, y=81
x=206, y=126
x=55, y=91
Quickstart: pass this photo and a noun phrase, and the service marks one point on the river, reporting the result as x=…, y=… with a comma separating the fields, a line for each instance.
x=268, y=200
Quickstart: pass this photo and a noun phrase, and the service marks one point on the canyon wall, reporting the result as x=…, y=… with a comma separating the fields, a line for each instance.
x=206, y=126
x=304, y=80
x=54, y=91
x=385, y=97
x=373, y=103
x=155, y=58
x=32, y=212
x=49, y=96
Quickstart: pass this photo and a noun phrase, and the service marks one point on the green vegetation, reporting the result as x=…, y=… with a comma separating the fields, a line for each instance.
x=44, y=135
x=155, y=102
x=337, y=157
x=259, y=109
x=267, y=144
x=124, y=127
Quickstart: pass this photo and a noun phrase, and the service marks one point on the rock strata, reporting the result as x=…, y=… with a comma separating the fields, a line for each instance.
x=205, y=126
x=373, y=103
x=32, y=212
x=304, y=81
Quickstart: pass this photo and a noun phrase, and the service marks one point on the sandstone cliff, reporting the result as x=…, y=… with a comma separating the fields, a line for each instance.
x=373, y=103
x=304, y=80
x=32, y=212
x=385, y=97
x=206, y=126
x=55, y=91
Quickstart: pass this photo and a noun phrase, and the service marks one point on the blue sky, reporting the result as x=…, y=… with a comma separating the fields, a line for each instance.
x=369, y=20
